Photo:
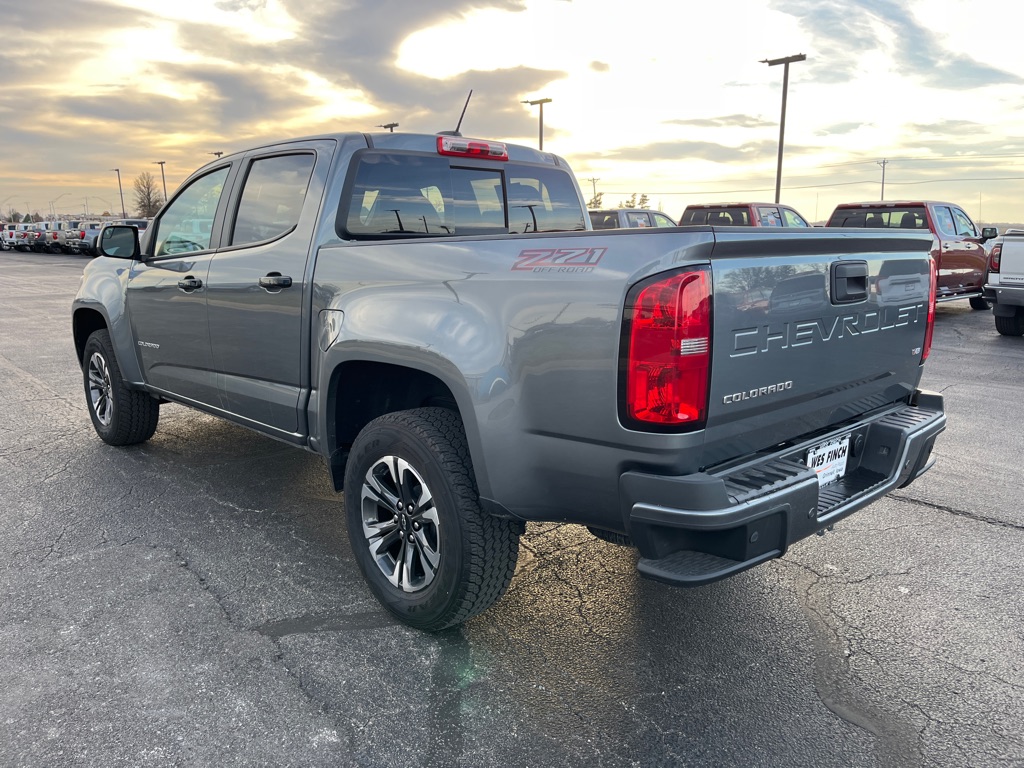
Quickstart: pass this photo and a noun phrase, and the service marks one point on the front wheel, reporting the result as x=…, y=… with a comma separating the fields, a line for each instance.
x=427, y=549
x=121, y=416
x=977, y=302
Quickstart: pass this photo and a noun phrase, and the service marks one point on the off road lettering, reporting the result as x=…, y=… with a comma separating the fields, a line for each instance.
x=550, y=259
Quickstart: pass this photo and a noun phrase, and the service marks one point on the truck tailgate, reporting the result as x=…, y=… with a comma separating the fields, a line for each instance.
x=810, y=332
x=1011, y=261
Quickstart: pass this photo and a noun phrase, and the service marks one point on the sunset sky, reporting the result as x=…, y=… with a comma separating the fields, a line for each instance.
x=663, y=97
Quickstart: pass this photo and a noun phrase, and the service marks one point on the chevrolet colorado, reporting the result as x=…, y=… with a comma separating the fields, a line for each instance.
x=434, y=316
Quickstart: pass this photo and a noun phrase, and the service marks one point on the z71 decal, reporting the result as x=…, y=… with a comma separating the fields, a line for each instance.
x=558, y=259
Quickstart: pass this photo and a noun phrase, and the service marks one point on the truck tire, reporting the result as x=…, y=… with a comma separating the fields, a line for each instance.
x=978, y=302
x=121, y=416
x=1010, y=326
x=427, y=549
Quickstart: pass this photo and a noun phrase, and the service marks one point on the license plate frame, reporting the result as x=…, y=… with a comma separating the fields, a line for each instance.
x=828, y=459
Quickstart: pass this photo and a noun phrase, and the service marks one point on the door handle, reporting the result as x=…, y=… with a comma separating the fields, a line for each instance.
x=190, y=283
x=275, y=282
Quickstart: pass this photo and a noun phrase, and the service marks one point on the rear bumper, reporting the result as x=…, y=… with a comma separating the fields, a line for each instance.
x=696, y=529
x=1007, y=296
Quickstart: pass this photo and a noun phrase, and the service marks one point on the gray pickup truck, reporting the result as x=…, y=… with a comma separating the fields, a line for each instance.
x=435, y=317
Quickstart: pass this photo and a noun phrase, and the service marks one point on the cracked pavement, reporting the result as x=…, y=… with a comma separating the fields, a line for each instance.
x=194, y=601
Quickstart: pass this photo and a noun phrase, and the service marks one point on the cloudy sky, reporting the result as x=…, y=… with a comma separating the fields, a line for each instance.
x=663, y=97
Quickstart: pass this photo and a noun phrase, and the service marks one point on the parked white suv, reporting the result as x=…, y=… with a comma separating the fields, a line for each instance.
x=1004, y=283
x=7, y=235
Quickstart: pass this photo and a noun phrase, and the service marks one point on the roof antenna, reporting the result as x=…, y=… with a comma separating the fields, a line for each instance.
x=464, y=106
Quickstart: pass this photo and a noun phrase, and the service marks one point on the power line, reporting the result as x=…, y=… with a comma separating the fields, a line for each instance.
x=922, y=159
x=817, y=186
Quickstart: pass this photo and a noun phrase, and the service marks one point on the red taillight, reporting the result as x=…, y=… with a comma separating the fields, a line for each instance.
x=460, y=147
x=933, y=270
x=994, y=257
x=81, y=234
x=668, y=362
x=55, y=236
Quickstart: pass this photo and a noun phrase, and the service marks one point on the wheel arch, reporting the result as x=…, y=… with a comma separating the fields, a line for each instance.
x=360, y=390
x=84, y=322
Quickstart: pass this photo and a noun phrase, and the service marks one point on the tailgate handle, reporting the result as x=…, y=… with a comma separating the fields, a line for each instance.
x=849, y=281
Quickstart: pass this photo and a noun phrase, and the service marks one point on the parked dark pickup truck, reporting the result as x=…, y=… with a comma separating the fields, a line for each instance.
x=434, y=316
x=959, y=249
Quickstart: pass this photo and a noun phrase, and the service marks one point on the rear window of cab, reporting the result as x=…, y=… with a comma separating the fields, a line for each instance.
x=395, y=194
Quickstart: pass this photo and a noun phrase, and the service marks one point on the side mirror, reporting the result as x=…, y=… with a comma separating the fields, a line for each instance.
x=987, y=233
x=119, y=241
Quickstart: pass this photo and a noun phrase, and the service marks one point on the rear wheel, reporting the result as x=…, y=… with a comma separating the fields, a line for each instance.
x=427, y=549
x=121, y=416
x=977, y=302
x=1010, y=326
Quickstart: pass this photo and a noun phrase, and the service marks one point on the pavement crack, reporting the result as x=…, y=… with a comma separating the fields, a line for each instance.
x=960, y=512
x=839, y=688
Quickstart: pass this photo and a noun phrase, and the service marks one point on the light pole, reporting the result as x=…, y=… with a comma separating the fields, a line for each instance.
x=782, y=122
x=540, y=103
x=390, y=126
x=218, y=154
x=124, y=213
x=162, y=177
x=53, y=209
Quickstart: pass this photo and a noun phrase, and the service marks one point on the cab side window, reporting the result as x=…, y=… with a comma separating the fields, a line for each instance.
x=769, y=217
x=272, y=198
x=964, y=225
x=660, y=220
x=793, y=219
x=944, y=221
x=176, y=231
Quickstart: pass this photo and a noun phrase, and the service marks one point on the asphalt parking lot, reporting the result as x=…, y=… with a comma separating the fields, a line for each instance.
x=193, y=601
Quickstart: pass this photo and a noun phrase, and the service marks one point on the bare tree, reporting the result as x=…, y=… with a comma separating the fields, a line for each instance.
x=147, y=196
x=644, y=202
x=595, y=201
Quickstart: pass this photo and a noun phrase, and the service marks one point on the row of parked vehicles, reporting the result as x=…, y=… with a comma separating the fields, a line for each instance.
x=72, y=237
x=960, y=245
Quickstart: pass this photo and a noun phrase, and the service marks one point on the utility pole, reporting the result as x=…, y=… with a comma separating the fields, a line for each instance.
x=782, y=121
x=162, y=177
x=218, y=154
x=390, y=126
x=540, y=103
x=124, y=213
x=883, y=163
x=594, y=183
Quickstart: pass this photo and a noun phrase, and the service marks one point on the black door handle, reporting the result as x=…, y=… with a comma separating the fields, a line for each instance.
x=277, y=282
x=849, y=281
x=190, y=283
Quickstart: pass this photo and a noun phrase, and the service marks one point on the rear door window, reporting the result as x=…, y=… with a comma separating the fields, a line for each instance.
x=769, y=217
x=944, y=221
x=661, y=220
x=271, y=200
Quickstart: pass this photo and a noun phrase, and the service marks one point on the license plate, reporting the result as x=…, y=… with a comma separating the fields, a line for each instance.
x=828, y=459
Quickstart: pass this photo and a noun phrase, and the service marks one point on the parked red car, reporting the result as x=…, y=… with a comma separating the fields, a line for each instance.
x=959, y=248
x=743, y=215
